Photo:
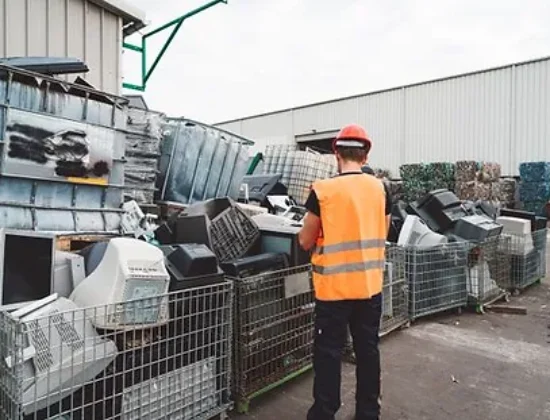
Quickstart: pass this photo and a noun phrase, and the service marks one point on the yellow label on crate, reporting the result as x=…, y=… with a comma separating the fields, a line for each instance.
x=89, y=181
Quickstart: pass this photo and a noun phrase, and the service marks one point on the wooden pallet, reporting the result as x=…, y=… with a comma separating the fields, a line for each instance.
x=75, y=242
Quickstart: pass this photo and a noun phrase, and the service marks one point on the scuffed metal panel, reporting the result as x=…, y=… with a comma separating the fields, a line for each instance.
x=143, y=139
x=73, y=28
x=62, y=166
x=326, y=117
x=531, y=128
x=462, y=118
x=200, y=162
x=499, y=115
x=382, y=115
x=272, y=129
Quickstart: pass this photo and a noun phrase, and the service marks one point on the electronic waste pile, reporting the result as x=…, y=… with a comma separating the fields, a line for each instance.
x=150, y=273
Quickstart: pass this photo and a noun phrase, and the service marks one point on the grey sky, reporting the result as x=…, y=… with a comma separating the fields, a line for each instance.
x=253, y=56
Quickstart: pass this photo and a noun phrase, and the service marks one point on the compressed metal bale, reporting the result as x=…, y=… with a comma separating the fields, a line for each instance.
x=465, y=190
x=466, y=171
x=396, y=190
x=489, y=172
x=534, y=171
x=504, y=190
x=534, y=191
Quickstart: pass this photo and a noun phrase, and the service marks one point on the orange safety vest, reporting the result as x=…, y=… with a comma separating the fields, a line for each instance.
x=348, y=261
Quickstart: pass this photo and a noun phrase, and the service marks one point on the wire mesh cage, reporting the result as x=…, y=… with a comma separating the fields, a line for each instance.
x=437, y=278
x=273, y=330
x=395, y=298
x=56, y=364
x=526, y=256
x=488, y=270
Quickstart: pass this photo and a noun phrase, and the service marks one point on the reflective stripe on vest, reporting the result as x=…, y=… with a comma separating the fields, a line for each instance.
x=348, y=261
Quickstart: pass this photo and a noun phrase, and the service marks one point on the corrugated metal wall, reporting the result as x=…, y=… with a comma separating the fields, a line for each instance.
x=66, y=28
x=501, y=115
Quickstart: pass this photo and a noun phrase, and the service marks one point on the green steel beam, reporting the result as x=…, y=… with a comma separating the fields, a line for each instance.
x=175, y=25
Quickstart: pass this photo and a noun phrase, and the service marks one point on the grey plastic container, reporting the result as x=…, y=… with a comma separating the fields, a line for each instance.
x=62, y=163
x=200, y=162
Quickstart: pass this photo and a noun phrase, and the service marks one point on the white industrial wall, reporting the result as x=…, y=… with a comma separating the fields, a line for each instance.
x=65, y=28
x=500, y=115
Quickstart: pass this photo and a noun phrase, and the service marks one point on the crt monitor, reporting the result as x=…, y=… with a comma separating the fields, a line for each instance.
x=129, y=287
x=284, y=239
x=415, y=232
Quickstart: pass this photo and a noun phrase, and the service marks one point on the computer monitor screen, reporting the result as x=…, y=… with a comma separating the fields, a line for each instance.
x=27, y=267
x=276, y=243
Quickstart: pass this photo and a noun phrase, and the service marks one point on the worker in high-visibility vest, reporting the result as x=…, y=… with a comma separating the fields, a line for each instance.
x=346, y=226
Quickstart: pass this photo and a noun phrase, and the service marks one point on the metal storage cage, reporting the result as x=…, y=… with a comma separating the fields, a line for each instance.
x=526, y=255
x=488, y=270
x=58, y=366
x=395, y=296
x=437, y=278
x=62, y=165
x=395, y=299
x=273, y=333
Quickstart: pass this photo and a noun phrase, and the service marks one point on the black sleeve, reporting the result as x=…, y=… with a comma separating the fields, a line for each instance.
x=388, y=200
x=312, y=204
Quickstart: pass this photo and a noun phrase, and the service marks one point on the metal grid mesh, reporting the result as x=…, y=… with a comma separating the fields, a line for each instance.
x=11, y=381
x=180, y=370
x=395, y=306
x=526, y=255
x=437, y=278
x=273, y=328
x=488, y=270
x=307, y=168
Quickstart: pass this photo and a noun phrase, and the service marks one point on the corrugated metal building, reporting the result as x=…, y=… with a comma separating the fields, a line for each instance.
x=91, y=30
x=500, y=115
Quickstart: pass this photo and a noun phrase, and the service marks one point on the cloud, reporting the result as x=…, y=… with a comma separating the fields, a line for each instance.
x=252, y=56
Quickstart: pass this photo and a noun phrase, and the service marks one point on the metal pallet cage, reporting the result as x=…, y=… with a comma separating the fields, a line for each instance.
x=488, y=270
x=273, y=332
x=526, y=256
x=55, y=364
x=437, y=278
x=395, y=296
x=395, y=301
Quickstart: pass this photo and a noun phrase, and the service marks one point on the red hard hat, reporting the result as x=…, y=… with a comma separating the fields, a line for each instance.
x=352, y=135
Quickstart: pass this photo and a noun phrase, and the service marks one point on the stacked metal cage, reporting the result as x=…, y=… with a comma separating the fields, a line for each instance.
x=437, y=278
x=488, y=271
x=273, y=333
x=60, y=366
x=395, y=294
x=526, y=258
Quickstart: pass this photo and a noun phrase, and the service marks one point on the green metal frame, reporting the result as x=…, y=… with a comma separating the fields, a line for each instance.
x=175, y=25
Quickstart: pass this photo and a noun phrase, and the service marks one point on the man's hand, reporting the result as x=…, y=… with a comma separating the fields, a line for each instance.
x=310, y=231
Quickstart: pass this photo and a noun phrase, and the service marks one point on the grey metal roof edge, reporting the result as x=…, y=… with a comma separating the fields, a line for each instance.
x=376, y=92
x=244, y=140
x=119, y=100
x=123, y=8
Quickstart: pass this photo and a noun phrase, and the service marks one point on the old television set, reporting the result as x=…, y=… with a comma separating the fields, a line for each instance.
x=129, y=287
x=284, y=239
x=415, y=232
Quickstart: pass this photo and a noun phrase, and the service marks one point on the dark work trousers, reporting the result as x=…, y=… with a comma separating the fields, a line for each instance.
x=331, y=326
